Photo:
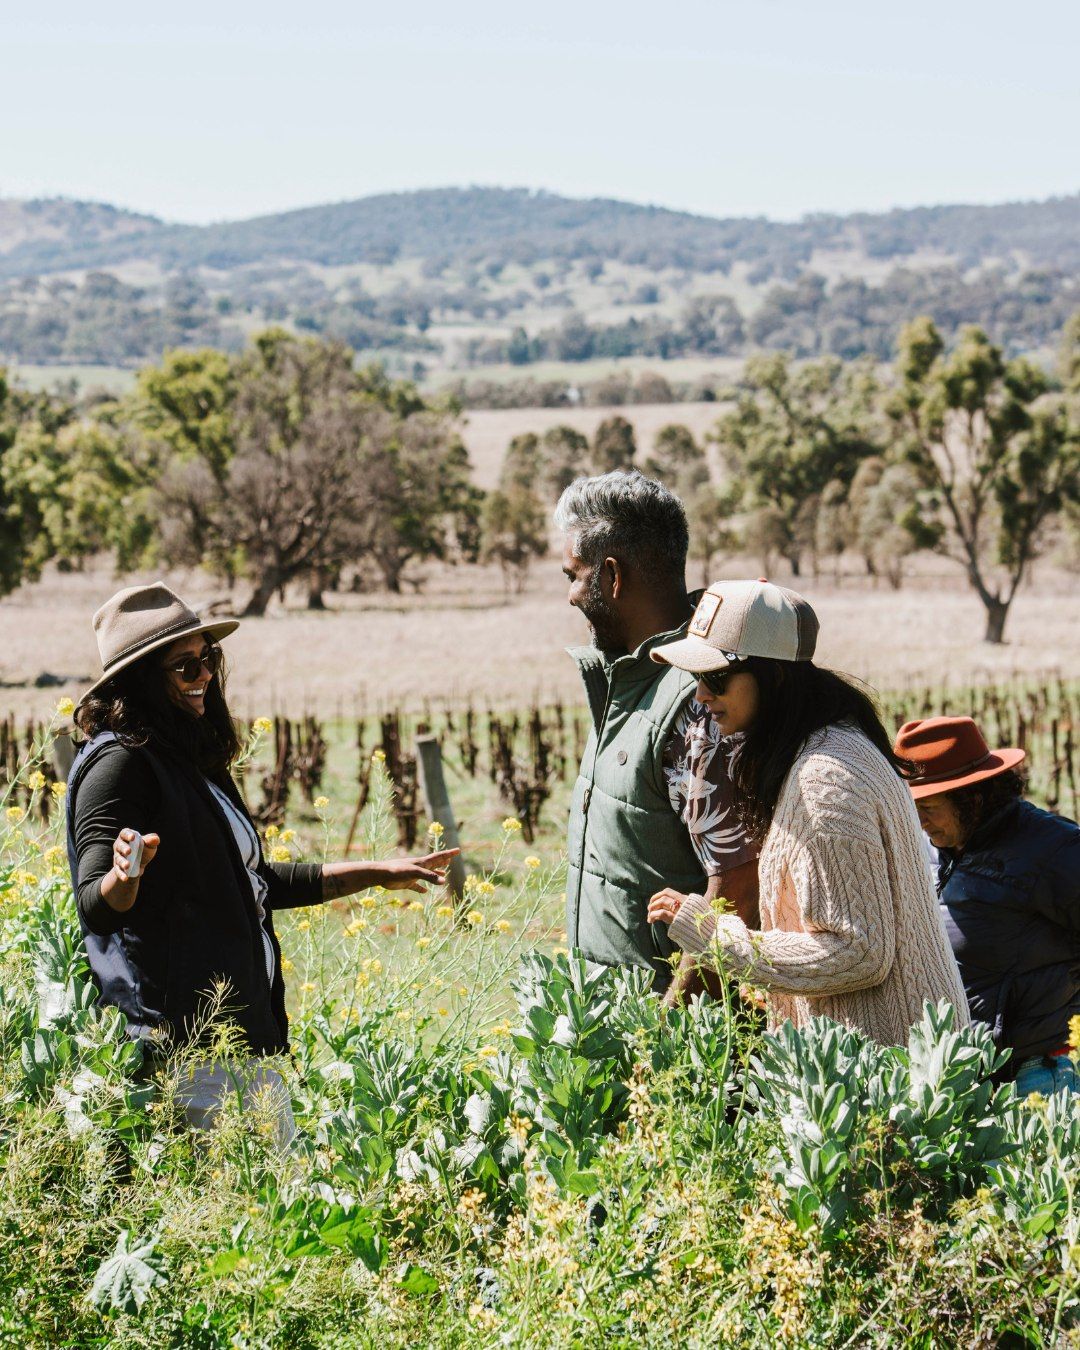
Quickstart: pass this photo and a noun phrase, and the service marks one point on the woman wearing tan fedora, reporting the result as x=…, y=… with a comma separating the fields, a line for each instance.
x=850, y=927
x=194, y=913
x=1009, y=885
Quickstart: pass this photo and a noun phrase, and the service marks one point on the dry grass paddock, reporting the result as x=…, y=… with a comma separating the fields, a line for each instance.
x=461, y=637
x=487, y=432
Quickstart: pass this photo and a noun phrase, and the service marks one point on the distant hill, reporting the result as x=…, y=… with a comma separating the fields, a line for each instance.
x=56, y=224
x=515, y=225
x=441, y=283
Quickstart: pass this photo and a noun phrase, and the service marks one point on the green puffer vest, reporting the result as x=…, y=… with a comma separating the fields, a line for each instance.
x=624, y=841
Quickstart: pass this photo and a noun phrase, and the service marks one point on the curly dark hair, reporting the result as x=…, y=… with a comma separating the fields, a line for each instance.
x=979, y=801
x=796, y=698
x=136, y=707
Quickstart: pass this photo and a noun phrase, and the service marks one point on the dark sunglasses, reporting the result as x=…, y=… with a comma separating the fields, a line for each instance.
x=191, y=668
x=715, y=681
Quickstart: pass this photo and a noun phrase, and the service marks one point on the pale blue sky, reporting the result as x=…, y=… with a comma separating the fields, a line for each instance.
x=758, y=107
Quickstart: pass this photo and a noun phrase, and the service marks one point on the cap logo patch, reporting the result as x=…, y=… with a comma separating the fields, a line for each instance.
x=704, y=615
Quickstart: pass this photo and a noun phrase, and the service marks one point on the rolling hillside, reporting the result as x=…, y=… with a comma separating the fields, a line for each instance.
x=486, y=283
x=516, y=225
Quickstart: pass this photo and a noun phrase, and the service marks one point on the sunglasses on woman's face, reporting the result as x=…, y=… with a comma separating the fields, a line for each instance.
x=191, y=667
x=716, y=681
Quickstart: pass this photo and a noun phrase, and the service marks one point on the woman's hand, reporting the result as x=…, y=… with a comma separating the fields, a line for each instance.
x=121, y=851
x=665, y=905
x=416, y=874
x=119, y=890
x=402, y=874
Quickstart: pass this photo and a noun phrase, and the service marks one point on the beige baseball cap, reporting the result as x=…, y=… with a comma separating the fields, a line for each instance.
x=737, y=619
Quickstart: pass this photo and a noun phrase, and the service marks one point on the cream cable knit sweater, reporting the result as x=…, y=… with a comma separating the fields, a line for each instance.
x=851, y=925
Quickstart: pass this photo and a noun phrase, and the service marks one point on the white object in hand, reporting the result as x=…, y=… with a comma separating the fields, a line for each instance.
x=135, y=857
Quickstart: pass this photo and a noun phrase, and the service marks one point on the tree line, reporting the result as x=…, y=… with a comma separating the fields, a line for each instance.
x=107, y=320
x=811, y=318
x=278, y=465
x=286, y=465
x=956, y=449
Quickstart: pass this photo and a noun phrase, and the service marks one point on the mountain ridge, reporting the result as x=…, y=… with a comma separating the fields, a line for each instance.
x=526, y=225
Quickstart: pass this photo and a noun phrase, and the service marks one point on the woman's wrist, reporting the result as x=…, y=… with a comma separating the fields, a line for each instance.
x=118, y=892
x=347, y=878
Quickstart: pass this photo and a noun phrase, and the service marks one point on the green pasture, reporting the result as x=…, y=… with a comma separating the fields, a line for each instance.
x=497, y=1147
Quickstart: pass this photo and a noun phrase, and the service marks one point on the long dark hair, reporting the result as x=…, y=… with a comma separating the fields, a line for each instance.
x=796, y=698
x=136, y=707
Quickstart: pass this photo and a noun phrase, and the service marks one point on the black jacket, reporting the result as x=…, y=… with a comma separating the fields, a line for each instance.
x=194, y=923
x=1011, y=902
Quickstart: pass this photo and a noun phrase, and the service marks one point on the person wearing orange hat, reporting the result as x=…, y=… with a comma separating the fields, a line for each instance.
x=1009, y=887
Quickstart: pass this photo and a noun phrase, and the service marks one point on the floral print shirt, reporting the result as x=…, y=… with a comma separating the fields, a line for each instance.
x=697, y=772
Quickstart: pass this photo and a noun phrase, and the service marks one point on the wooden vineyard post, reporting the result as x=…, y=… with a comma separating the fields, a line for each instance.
x=437, y=801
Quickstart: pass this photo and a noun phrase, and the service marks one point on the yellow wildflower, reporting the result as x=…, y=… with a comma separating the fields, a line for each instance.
x=321, y=803
x=14, y=813
x=487, y=1051
x=560, y=951
x=367, y=902
x=307, y=987
x=261, y=726
x=445, y=911
x=280, y=854
x=404, y=1014
x=287, y=836
x=436, y=830
x=474, y=917
x=486, y=888
x=503, y=926
x=357, y=926
x=65, y=707
x=422, y=944
x=36, y=781
x=443, y=1012
x=501, y=1029
x=373, y=965
x=532, y=862
x=271, y=832
x=511, y=825
x=303, y=925
x=414, y=906
x=1074, y=1032
x=379, y=756
x=58, y=790
x=463, y=991
x=286, y=965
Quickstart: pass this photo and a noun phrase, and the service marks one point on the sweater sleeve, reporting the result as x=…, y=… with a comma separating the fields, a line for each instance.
x=118, y=791
x=843, y=896
x=292, y=885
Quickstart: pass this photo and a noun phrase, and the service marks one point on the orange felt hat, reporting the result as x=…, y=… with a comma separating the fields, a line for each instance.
x=948, y=753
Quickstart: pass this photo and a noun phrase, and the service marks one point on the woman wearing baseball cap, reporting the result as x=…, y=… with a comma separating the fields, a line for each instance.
x=175, y=897
x=850, y=923
x=1009, y=885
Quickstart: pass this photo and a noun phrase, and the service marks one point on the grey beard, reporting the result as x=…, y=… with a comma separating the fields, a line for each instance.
x=601, y=618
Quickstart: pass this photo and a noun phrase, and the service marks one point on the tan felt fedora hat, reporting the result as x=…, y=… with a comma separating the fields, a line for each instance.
x=139, y=620
x=737, y=619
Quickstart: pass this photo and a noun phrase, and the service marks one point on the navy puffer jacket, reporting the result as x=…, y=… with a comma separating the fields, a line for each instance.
x=1011, y=903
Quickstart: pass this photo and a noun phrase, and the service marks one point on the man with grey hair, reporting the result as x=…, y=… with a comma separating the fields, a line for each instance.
x=652, y=801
